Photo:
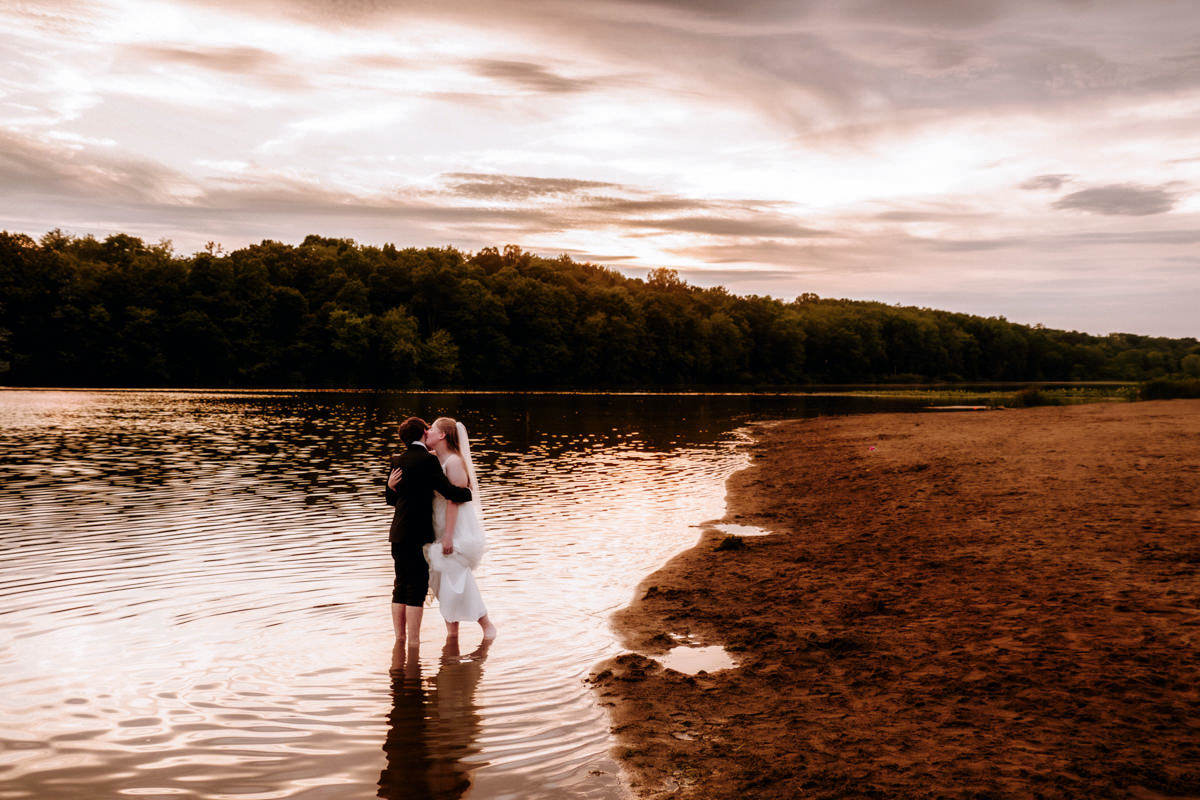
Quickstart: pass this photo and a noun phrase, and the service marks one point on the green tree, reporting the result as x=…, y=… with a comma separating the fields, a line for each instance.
x=439, y=358
x=401, y=347
x=331, y=312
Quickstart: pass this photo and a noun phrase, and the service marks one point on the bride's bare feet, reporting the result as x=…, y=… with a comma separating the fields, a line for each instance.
x=451, y=630
x=489, y=630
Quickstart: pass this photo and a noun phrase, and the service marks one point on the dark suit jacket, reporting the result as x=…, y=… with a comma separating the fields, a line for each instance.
x=413, y=497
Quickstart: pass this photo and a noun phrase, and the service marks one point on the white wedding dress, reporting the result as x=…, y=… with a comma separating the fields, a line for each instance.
x=451, y=577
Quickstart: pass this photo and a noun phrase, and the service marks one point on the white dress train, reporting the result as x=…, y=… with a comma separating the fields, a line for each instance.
x=451, y=578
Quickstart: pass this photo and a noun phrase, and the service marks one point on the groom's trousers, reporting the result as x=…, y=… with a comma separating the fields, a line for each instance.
x=412, y=574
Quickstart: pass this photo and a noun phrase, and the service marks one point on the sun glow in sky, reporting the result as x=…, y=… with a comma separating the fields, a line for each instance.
x=1032, y=159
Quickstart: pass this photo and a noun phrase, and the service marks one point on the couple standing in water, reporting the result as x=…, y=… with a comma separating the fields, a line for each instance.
x=437, y=532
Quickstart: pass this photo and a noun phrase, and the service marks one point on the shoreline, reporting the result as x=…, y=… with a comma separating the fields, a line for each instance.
x=993, y=604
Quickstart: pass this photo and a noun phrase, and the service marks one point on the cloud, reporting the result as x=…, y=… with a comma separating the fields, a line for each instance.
x=909, y=54
x=223, y=59
x=277, y=195
x=56, y=17
x=935, y=214
x=528, y=76
x=1051, y=182
x=1120, y=199
x=658, y=203
x=50, y=169
x=971, y=245
x=30, y=165
x=575, y=209
x=514, y=187
x=1189, y=235
x=800, y=258
x=730, y=226
x=254, y=63
x=588, y=256
x=646, y=205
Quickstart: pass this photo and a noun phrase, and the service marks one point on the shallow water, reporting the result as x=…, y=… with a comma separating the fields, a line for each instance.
x=692, y=660
x=734, y=529
x=194, y=589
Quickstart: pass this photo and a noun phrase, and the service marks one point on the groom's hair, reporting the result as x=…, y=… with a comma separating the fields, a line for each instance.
x=412, y=429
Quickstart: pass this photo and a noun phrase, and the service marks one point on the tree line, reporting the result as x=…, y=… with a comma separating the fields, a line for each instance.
x=78, y=311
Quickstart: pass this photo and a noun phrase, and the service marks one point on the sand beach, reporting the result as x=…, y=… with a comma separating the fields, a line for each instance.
x=964, y=605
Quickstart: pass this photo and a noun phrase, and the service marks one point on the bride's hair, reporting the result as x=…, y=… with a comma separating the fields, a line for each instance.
x=449, y=427
x=457, y=440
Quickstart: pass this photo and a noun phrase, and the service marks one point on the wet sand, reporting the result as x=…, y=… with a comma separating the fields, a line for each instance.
x=966, y=605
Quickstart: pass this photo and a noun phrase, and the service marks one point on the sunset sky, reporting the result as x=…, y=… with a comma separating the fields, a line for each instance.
x=1036, y=159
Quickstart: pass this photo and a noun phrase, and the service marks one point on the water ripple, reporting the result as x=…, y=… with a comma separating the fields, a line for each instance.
x=194, y=590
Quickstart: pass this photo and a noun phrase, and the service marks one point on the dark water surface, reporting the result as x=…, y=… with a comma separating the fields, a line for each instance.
x=194, y=588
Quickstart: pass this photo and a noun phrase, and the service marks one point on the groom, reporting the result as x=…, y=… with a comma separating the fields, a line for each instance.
x=416, y=475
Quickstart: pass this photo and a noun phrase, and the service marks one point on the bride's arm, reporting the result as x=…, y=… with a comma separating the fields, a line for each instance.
x=456, y=472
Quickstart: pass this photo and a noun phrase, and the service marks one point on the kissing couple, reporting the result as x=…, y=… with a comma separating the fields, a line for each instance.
x=437, y=532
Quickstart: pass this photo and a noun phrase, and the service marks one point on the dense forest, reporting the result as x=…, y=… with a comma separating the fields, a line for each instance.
x=330, y=312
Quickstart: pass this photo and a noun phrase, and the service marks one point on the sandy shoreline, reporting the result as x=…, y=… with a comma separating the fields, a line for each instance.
x=989, y=604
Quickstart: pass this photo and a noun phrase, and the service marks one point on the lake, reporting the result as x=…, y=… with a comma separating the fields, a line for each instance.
x=194, y=588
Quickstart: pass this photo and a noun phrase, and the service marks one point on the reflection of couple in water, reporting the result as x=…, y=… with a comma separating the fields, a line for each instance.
x=431, y=728
x=437, y=541
x=437, y=531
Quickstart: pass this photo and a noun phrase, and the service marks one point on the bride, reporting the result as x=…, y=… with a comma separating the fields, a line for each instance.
x=459, y=537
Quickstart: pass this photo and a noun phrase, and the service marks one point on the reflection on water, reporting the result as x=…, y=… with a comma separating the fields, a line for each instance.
x=432, y=730
x=194, y=588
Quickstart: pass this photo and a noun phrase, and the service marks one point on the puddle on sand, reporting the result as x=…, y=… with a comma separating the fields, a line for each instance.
x=692, y=660
x=734, y=529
